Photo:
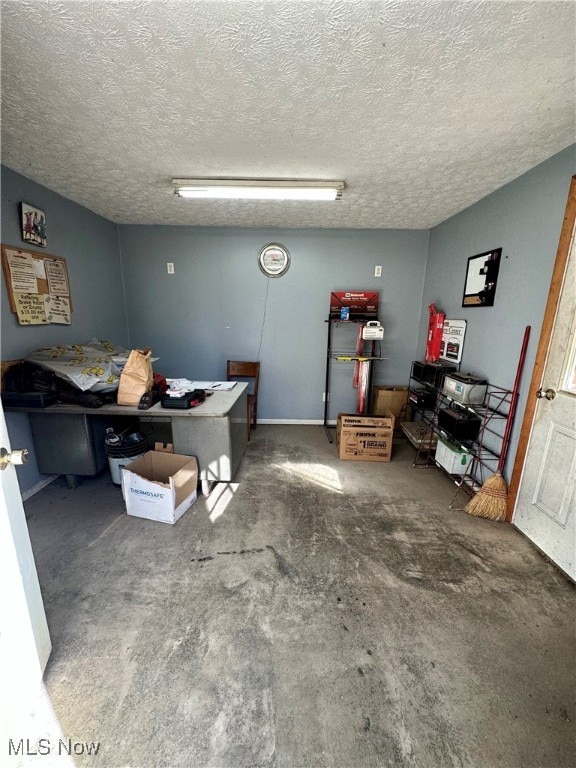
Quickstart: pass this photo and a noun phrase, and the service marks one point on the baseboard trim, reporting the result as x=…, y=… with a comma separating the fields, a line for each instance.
x=38, y=487
x=306, y=422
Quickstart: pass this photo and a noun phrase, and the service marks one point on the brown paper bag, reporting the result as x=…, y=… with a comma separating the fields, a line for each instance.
x=136, y=378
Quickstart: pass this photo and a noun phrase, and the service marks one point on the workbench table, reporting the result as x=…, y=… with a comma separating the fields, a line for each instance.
x=69, y=439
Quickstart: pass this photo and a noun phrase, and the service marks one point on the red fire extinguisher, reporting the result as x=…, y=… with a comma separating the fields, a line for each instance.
x=434, y=338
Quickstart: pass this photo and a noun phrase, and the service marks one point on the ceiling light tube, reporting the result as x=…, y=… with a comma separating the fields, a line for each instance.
x=258, y=189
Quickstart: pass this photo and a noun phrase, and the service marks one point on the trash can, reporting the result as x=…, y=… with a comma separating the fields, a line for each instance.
x=123, y=449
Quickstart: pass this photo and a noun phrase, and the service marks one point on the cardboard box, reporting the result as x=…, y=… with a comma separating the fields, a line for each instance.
x=393, y=399
x=364, y=441
x=385, y=420
x=164, y=447
x=160, y=486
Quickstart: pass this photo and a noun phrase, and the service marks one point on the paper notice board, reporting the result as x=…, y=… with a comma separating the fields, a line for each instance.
x=38, y=287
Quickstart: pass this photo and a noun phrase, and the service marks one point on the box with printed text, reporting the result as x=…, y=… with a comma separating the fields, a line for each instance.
x=160, y=486
x=384, y=420
x=362, y=438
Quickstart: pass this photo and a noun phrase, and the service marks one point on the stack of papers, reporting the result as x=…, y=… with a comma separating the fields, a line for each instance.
x=179, y=387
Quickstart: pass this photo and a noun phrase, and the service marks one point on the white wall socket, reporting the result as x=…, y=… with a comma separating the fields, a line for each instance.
x=377, y=271
x=170, y=266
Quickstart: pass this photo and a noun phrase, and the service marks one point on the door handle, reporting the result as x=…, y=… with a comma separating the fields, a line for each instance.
x=13, y=457
x=549, y=394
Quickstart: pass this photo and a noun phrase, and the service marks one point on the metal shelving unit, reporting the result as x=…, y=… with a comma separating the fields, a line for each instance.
x=486, y=449
x=349, y=357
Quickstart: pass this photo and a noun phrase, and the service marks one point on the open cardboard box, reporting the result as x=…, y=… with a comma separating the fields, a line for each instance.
x=160, y=486
x=394, y=399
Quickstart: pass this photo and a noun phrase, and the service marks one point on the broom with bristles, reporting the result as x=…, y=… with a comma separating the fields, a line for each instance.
x=491, y=501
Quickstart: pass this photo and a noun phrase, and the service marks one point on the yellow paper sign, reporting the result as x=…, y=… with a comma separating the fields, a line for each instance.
x=30, y=309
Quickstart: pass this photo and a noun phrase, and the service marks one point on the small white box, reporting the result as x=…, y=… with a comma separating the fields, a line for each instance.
x=160, y=486
x=452, y=458
x=373, y=331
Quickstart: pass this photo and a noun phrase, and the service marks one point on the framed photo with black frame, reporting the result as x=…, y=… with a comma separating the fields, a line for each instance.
x=481, y=278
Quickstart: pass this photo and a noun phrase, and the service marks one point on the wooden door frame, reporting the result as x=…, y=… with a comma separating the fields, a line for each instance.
x=543, y=344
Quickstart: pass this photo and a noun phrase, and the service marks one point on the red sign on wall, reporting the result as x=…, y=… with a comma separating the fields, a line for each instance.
x=360, y=305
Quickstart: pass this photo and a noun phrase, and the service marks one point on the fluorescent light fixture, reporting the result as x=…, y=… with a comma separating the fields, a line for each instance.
x=258, y=189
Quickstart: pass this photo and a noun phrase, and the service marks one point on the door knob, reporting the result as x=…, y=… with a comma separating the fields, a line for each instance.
x=12, y=457
x=549, y=394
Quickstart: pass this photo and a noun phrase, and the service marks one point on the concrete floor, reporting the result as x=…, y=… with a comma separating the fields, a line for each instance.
x=318, y=613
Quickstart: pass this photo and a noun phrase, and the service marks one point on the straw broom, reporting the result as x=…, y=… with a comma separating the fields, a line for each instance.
x=491, y=501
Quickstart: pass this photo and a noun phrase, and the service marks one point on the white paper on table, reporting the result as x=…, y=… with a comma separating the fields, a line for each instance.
x=188, y=386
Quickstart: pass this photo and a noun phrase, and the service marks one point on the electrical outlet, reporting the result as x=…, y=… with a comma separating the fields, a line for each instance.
x=170, y=266
x=377, y=271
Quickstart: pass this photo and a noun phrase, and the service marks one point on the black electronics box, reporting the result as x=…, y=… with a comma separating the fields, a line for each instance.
x=431, y=373
x=189, y=400
x=424, y=399
x=28, y=399
x=178, y=403
x=459, y=424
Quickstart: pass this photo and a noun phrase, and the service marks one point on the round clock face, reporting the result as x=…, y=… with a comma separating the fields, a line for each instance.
x=274, y=260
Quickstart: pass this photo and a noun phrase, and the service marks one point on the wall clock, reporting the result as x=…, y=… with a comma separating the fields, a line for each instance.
x=274, y=260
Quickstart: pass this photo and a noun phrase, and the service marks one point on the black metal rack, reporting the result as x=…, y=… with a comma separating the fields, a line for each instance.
x=485, y=449
x=348, y=357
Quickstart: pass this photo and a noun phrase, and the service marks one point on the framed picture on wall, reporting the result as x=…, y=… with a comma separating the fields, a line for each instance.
x=33, y=225
x=481, y=278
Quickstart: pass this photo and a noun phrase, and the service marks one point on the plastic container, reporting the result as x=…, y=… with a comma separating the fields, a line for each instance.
x=122, y=450
x=452, y=458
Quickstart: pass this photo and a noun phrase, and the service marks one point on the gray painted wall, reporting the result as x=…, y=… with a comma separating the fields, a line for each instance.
x=525, y=219
x=218, y=305
x=90, y=245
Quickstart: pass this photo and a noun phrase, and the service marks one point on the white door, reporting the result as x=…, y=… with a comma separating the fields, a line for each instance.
x=24, y=639
x=546, y=500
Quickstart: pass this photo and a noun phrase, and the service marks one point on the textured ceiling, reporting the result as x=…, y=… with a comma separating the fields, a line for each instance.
x=422, y=108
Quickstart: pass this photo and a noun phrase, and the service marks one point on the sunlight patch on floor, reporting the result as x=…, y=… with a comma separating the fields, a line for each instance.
x=319, y=474
x=219, y=498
